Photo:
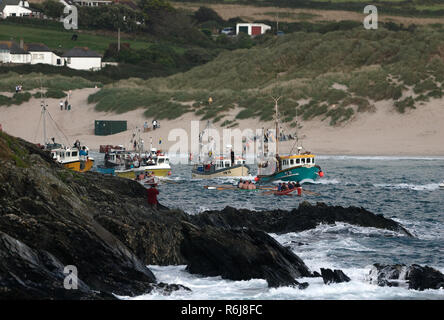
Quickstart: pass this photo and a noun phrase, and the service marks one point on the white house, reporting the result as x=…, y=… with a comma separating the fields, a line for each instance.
x=82, y=58
x=11, y=52
x=40, y=53
x=14, y=8
x=252, y=29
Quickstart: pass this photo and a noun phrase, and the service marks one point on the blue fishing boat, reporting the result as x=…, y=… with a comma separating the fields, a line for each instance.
x=105, y=170
x=298, y=167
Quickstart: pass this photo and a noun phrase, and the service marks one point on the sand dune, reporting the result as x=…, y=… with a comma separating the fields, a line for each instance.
x=419, y=132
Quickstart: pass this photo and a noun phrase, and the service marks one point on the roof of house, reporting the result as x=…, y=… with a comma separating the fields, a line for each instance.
x=4, y=3
x=36, y=47
x=81, y=52
x=13, y=47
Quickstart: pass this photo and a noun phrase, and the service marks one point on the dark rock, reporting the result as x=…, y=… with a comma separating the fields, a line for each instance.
x=305, y=217
x=333, y=276
x=316, y=274
x=413, y=277
x=240, y=255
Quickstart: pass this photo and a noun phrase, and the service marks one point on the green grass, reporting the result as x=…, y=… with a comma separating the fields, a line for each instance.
x=9, y=80
x=60, y=39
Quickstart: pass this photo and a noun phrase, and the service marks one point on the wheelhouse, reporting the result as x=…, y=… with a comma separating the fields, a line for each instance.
x=297, y=161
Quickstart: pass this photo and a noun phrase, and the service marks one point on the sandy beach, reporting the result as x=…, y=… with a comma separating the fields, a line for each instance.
x=418, y=132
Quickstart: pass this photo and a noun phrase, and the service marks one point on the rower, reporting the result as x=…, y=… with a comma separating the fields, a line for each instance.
x=299, y=188
x=240, y=184
x=280, y=186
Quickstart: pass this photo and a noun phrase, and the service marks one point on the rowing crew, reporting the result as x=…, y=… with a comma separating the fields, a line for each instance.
x=289, y=186
x=247, y=185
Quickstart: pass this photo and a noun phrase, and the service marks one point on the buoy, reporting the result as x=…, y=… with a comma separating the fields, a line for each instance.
x=256, y=179
x=321, y=174
x=169, y=173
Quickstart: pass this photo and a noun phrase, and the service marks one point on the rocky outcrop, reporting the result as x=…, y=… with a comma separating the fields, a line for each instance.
x=413, y=277
x=241, y=254
x=51, y=217
x=305, y=217
x=333, y=276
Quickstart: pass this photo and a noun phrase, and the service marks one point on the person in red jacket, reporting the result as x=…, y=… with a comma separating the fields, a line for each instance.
x=152, y=196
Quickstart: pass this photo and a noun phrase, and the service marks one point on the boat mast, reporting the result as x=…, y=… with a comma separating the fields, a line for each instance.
x=43, y=105
x=276, y=123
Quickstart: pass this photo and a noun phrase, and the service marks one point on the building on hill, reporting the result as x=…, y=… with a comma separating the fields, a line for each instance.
x=40, y=53
x=14, y=8
x=252, y=29
x=82, y=58
x=11, y=52
x=92, y=3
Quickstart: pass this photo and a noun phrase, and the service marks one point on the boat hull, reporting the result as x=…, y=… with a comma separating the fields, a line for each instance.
x=296, y=174
x=131, y=174
x=236, y=171
x=78, y=166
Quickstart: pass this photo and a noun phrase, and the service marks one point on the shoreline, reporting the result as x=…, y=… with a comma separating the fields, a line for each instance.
x=384, y=133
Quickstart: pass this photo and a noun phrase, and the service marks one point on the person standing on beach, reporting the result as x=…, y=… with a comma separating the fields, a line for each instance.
x=61, y=105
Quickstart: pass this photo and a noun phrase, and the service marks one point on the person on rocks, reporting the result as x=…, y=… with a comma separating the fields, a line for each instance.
x=152, y=193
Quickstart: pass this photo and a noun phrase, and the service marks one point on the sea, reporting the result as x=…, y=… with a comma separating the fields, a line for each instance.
x=405, y=189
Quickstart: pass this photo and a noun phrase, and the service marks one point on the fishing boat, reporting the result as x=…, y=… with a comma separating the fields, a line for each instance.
x=299, y=166
x=441, y=185
x=129, y=165
x=211, y=166
x=74, y=158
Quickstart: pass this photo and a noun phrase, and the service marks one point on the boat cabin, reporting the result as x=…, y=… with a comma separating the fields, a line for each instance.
x=287, y=162
x=226, y=163
x=67, y=155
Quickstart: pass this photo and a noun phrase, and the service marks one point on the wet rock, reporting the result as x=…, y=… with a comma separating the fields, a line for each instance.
x=306, y=216
x=412, y=277
x=241, y=254
x=333, y=276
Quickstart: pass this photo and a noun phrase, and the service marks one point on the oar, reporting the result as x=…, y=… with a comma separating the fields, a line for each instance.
x=311, y=192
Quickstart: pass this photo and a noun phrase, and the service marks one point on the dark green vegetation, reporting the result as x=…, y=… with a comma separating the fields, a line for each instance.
x=156, y=39
x=332, y=76
x=424, y=8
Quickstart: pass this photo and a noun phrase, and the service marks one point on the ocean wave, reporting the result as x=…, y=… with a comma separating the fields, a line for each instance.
x=381, y=158
x=215, y=288
x=425, y=187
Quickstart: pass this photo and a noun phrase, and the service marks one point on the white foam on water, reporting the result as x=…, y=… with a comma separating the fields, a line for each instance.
x=425, y=187
x=215, y=288
x=381, y=158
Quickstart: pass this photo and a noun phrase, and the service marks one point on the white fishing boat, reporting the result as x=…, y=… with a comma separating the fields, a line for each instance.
x=127, y=164
x=210, y=166
x=75, y=158
x=441, y=185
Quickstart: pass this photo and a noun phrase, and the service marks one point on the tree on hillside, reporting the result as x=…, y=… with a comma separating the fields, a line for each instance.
x=154, y=6
x=52, y=8
x=204, y=14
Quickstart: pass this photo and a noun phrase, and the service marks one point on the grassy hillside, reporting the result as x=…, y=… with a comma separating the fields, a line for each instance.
x=60, y=39
x=331, y=76
x=423, y=8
